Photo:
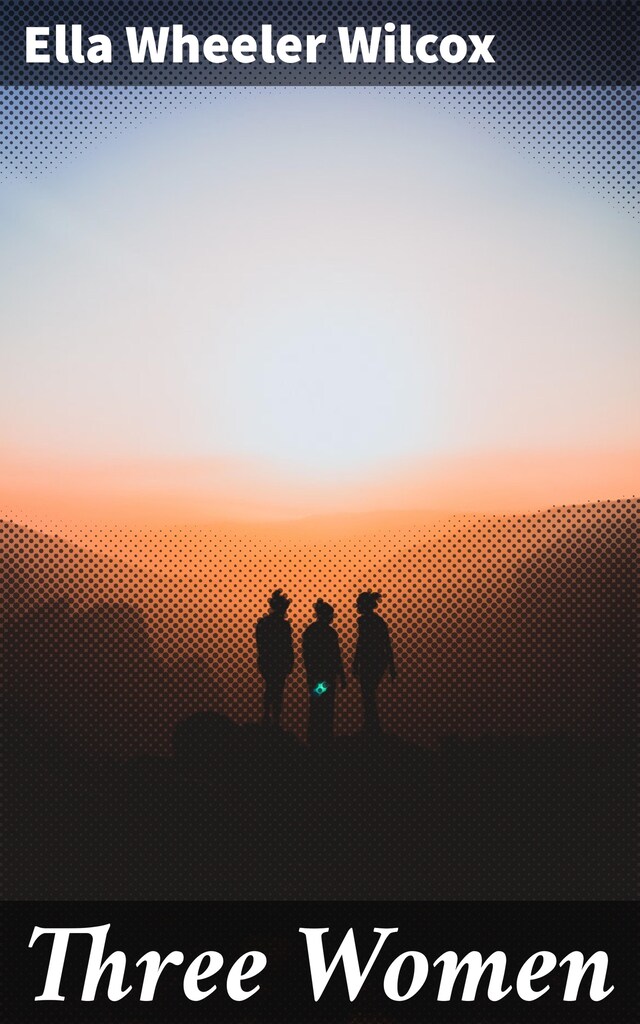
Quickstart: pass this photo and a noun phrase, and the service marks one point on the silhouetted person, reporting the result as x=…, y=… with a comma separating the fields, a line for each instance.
x=374, y=655
x=323, y=665
x=275, y=654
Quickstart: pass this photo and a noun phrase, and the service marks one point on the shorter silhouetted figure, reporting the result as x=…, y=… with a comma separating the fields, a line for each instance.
x=323, y=665
x=374, y=655
x=275, y=654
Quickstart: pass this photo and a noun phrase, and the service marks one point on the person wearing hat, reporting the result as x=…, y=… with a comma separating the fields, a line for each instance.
x=323, y=664
x=275, y=655
x=373, y=656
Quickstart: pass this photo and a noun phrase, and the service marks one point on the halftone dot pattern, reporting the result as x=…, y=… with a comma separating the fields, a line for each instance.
x=516, y=639
x=563, y=42
x=44, y=128
x=480, y=609
x=589, y=135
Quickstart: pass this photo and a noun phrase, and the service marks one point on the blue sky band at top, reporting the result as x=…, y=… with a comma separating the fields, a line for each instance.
x=66, y=44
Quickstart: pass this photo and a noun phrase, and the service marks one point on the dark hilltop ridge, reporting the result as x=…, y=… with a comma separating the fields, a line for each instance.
x=132, y=775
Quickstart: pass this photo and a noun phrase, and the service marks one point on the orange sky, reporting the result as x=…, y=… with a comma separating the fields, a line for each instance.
x=155, y=492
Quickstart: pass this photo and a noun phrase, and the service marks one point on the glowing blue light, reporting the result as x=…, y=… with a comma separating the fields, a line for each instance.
x=320, y=688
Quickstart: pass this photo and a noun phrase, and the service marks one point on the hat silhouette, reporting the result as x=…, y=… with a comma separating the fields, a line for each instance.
x=279, y=601
x=367, y=601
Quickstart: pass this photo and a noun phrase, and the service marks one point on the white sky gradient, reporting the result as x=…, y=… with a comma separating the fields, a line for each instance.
x=325, y=281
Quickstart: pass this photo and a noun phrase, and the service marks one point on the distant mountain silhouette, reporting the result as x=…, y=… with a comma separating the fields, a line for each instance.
x=87, y=681
x=501, y=625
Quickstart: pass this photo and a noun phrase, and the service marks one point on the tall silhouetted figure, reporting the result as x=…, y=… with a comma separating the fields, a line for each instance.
x=323, y=665
x=374, y=655
x=275, y=654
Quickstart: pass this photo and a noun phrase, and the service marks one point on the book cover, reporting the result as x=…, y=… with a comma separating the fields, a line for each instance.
x=320, y=471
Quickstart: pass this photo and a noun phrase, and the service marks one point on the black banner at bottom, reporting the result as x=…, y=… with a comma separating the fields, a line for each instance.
x=242, y=961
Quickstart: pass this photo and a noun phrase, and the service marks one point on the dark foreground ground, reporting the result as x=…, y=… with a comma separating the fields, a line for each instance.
x=250, y=813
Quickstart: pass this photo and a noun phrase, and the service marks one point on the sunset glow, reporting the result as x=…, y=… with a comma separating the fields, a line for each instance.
x=347, y=306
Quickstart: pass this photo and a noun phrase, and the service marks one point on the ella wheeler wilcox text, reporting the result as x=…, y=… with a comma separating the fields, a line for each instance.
x=63, y=44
